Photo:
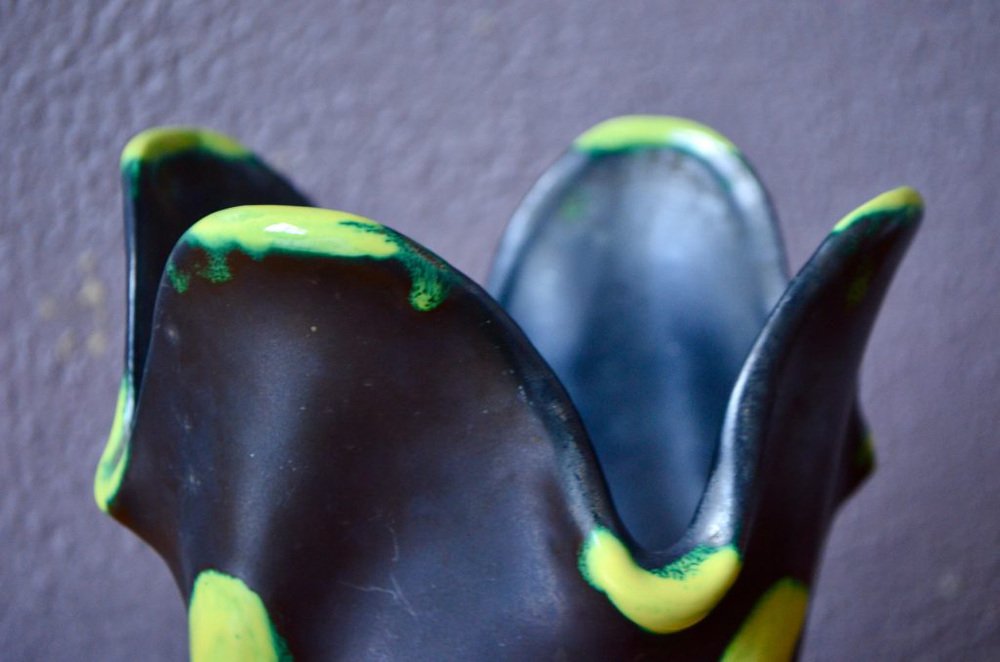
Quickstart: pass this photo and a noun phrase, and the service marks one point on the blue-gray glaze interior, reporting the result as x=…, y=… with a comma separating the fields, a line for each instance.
x=643, y=277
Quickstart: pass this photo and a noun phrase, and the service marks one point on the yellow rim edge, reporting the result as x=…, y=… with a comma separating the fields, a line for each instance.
x=261, y=229
x=897, y=199
x=157, y=143
x=634, y=131
x=666, y=601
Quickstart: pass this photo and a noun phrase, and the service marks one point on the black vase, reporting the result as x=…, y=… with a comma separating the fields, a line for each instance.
x=345, y=449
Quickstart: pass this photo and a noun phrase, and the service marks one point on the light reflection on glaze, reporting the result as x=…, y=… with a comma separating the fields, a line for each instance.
x=264, y=229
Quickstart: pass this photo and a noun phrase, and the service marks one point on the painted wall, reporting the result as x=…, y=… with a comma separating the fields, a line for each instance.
x=435, y=118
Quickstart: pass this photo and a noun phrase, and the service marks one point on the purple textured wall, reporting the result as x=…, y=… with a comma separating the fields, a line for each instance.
x=435, y=118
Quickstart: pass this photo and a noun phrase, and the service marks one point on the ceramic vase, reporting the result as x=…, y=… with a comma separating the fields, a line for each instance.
x=343, y=448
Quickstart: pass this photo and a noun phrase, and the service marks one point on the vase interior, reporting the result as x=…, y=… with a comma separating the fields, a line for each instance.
x=643, y=277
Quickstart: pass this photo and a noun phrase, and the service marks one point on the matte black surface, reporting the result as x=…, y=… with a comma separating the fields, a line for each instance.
x=163, y=198
x=304, y=428
x=390, y=450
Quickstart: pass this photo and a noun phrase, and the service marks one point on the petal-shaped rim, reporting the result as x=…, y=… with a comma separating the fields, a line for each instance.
x=172, y=177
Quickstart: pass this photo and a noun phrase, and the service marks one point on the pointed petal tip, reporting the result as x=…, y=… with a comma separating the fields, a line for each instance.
x=156, y=143
x=636, y=131
x=898, y=200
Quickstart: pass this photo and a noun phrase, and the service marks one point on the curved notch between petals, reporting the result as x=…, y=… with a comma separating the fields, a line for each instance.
x=665, y=600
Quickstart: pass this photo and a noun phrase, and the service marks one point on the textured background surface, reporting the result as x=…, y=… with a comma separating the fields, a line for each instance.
x=436, y=118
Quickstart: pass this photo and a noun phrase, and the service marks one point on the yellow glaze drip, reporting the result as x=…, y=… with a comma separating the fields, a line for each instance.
x=228, y=621
x=114, y=459
x=665, y=600
x=636, y=131
x=165, y=141
x=896, y=200
x=262, y=229
x=772, y=629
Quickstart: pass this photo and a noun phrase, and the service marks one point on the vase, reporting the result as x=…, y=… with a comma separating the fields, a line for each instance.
x=343, y=448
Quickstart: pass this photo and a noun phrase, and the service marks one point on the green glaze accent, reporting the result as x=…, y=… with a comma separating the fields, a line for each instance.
x=772, y=629
x=865, y=456
x=858, y=287
x=664, y=600
x=181, y=281
x=900, y=200
x=228, y=621
x=114, y=459
x=158, y=143
x=216, y=271
x=265, y=229
x=643, y=131
x=573, y=207
x=901, y=203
